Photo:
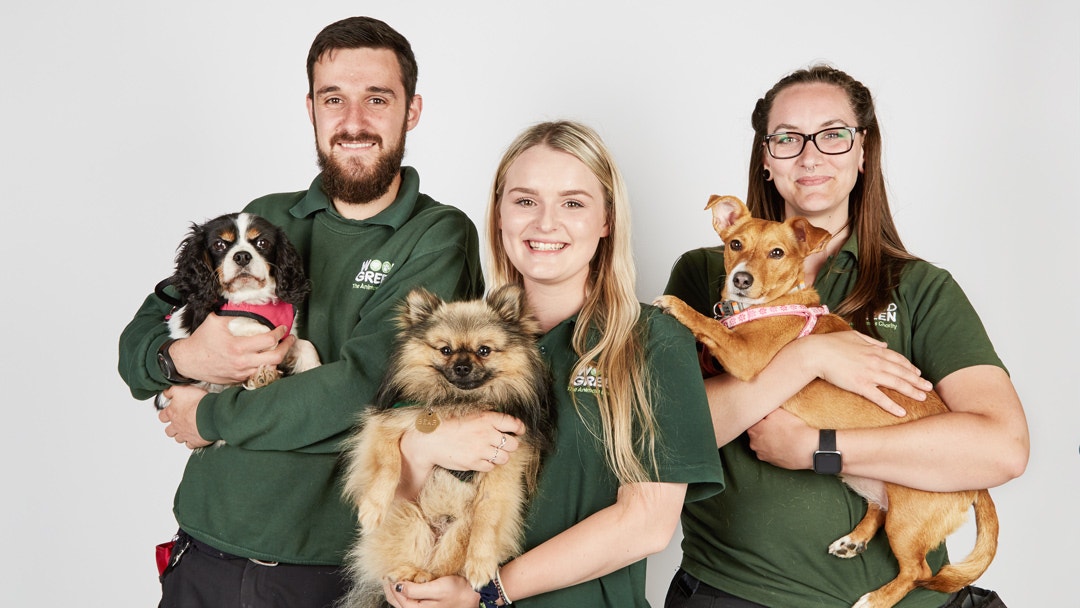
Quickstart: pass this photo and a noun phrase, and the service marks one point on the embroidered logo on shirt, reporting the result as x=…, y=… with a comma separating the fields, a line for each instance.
x=372, y=274
x=587, y=381
x=887, y=318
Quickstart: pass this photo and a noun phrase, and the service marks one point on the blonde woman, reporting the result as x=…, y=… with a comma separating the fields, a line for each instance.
x=633, y=440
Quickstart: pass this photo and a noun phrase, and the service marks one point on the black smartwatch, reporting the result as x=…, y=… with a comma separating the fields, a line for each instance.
x=168, y=368
x=827, y=459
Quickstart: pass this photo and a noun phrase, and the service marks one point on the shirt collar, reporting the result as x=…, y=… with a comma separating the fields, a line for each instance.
x=842, y=261
x=851, y=246
x=394, y=216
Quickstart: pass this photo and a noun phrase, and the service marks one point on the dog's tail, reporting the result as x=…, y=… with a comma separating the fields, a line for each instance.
x=953, y=577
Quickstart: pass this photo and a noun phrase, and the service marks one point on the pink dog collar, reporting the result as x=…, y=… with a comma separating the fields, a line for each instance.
x=762, y=312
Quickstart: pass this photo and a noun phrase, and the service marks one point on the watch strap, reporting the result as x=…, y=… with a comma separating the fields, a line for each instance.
x=168, y=368
x=827, y=440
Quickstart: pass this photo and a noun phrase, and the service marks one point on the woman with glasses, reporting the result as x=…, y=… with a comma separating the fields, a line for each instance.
x=763, y=541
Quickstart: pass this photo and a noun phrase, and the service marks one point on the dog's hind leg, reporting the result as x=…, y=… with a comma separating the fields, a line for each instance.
x=855, y=542
x=914, y=527
x=496, y=530
x=444, y=503
x=403, y=542
x=267, y=374
x=912, y=567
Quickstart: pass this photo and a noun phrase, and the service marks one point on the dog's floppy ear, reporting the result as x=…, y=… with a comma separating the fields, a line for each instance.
x=195, y=278
x=293, y=285
x=726, y=212
x=419, y=305
x=813, y=237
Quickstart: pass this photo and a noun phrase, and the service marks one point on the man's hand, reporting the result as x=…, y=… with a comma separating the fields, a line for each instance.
x=179, y=417
x=212, y=354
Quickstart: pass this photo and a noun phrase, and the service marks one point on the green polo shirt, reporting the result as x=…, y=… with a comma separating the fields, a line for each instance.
x=272, y=491
x=575, y=480
x=766, y=537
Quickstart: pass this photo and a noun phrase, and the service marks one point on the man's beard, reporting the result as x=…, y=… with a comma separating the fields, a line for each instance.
x=350, y=182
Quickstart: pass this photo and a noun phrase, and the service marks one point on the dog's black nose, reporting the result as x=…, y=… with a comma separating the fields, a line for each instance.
x=742, y=280
x=242, y=258
x=462, y=369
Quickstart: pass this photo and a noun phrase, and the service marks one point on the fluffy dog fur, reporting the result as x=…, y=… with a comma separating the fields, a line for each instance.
x=239, y=259
x=454, y=359
x=764, y=261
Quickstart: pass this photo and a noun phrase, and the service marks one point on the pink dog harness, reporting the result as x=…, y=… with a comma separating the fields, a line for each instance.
x=270, y=315
x=762, y=312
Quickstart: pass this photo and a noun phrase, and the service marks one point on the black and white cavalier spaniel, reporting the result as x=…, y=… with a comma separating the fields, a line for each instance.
x=239, y=265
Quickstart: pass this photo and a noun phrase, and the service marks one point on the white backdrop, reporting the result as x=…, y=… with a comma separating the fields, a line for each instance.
x=123, y=121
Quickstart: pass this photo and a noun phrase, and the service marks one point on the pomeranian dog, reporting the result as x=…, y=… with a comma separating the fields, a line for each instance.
x=452, y=359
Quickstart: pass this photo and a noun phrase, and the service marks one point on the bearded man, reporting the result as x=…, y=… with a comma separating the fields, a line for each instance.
x=260, y=515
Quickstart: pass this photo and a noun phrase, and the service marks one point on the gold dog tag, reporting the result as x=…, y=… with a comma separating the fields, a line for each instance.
x=427, y=422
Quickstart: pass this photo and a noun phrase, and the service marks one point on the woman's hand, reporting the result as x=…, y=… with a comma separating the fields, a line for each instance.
x=445, y=592
x=847, y=359
x=464, y=443
x=860, y=364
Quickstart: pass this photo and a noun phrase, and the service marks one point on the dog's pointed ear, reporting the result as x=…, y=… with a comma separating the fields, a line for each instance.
x=726, y=212
x=419, y=305
x=811, y=236
x=508, y=301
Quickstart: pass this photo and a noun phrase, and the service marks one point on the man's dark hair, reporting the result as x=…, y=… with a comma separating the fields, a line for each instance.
x=359, y=33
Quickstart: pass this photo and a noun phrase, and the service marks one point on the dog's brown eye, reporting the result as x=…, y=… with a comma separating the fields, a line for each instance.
x=483, y=351
x=776, y=254
x=219, y=245
x=736, y=245
x=262, y=243
x=446, y=351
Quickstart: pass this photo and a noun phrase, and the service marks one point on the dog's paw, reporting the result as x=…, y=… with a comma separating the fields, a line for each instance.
x=161, y=401
x=479, y=574
x=266, y=375
x=864, y=602
x=846, y=547
x=663, y=303
x=411, y=574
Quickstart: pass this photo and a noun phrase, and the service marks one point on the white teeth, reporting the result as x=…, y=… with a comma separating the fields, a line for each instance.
x=537, y=245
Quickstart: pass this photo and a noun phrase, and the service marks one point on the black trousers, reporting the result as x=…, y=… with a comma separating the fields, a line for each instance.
x=688, y=592
x=200, y=576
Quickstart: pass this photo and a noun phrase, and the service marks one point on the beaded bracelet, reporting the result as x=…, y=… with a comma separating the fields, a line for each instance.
x=499, y=587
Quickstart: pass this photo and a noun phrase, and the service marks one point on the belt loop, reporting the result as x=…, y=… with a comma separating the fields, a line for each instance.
x=262, y=563
x=688, y=583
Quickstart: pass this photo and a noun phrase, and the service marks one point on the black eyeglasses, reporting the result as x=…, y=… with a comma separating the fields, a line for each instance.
x=835, y=140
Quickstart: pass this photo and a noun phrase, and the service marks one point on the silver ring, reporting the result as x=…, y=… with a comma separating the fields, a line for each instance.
x=501, y=443
x=494, y=456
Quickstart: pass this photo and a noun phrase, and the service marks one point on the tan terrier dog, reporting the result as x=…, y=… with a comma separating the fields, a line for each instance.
x=764, y=261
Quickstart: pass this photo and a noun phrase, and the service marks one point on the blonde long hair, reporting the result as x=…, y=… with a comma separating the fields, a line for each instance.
x=611, y=307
